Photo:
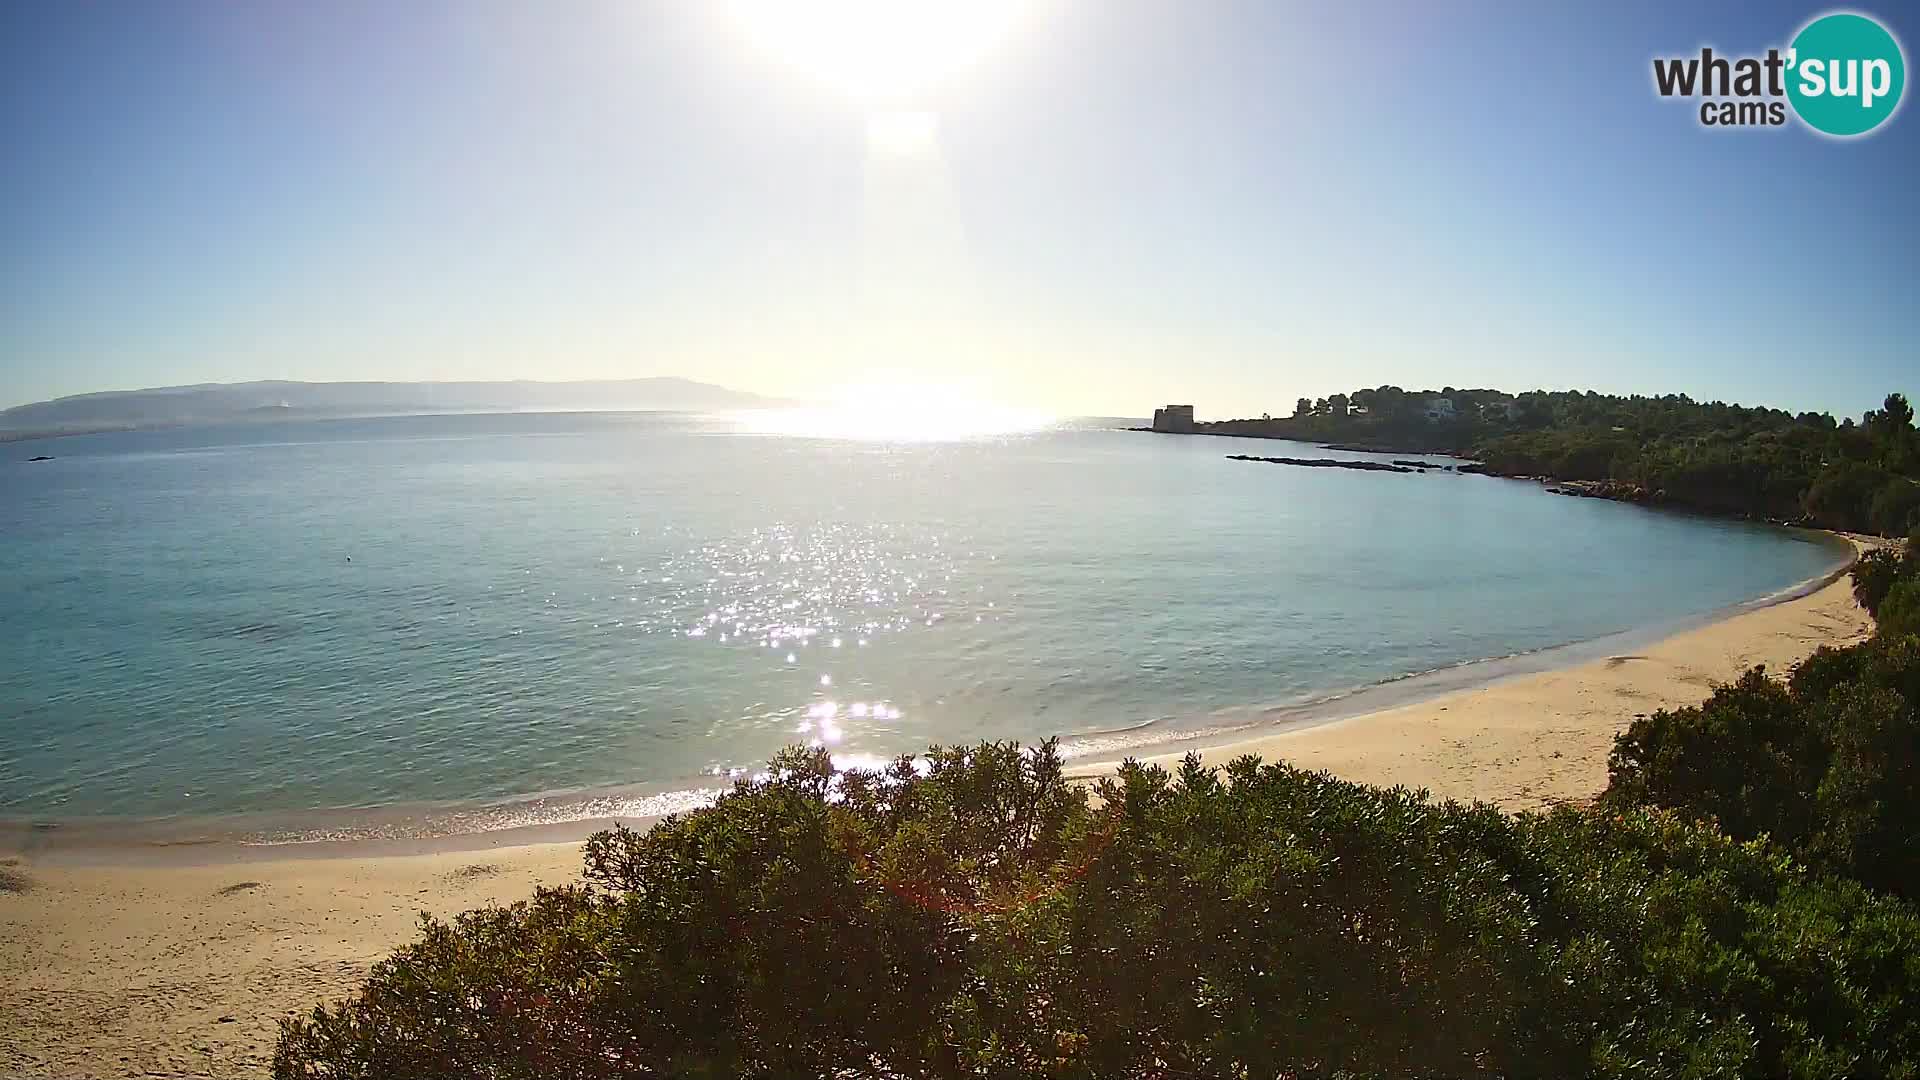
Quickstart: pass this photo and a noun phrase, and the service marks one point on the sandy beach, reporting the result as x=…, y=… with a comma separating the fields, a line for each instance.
x=180, y=966
x=1534, y=740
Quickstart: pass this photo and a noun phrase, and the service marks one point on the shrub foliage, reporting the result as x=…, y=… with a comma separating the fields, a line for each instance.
x=1826, y=763
x=977, y=915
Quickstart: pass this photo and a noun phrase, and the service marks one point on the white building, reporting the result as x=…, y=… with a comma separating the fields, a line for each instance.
x=1437, y=407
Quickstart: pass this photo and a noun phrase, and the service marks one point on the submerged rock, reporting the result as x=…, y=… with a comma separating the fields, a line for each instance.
x=1617, y=490
x=1325, y=463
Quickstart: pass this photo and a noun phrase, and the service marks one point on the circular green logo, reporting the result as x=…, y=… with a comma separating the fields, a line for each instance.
x=1845, y=74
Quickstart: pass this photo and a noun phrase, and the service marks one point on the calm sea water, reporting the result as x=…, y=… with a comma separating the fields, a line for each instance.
x=469, y=608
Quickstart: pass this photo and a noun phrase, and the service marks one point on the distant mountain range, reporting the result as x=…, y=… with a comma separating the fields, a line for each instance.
x=169, y=406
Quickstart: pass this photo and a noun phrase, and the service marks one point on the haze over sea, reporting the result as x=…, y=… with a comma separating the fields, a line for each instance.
x=458, y=611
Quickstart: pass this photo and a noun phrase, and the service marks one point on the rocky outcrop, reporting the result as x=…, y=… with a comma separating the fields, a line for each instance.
x=1617, y=490
x=1390, y=448
x=1326, y=463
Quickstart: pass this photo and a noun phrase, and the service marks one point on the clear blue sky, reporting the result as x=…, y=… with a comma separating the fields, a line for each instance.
x=1124, y=202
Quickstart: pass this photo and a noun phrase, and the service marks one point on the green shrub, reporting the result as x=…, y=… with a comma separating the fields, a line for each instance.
x=1747, y=758
x=1896, y=509
x=1824, y=764
x=1900, y=612
x=978, y=916
x=1874, y=574
x=1842, y=497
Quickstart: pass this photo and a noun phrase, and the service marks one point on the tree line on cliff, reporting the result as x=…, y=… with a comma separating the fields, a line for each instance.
x=1739, y=903
x=1728, y=459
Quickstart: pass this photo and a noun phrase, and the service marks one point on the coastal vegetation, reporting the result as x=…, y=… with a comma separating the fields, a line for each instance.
x=1824, y=764
x=1727, y=459
x=1740, y=902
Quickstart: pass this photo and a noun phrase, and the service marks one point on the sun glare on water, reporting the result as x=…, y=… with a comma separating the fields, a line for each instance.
x=920, y=413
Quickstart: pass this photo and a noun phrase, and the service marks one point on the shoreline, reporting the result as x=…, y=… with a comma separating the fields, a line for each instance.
x=573, y=815
x=1609, y=489
x=1528, y=741
x=1420, y=688
x=173, y=963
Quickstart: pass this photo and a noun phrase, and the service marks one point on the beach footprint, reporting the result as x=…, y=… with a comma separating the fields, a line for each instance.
x=11, y=879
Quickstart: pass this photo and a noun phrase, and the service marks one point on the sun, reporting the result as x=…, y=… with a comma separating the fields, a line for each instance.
x=879, y=52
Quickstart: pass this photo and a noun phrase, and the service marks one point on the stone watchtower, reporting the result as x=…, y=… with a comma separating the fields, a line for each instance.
x=1175, y=418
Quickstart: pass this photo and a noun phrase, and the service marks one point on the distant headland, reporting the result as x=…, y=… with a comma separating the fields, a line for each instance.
x=1752, y=462
x=220, y=403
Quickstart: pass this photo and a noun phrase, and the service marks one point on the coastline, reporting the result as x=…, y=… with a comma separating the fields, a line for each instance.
x=1467, y=459
x=1526, y=742
x=221, y=940
x=1426, y=687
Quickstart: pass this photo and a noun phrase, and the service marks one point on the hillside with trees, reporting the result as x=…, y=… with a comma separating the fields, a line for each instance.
x=1759, y=463
x=1740, y=903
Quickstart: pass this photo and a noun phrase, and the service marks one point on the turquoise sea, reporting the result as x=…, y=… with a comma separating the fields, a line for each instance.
x=484, y=620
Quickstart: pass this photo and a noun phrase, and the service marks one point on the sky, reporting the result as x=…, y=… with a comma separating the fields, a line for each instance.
x=1101, y=207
